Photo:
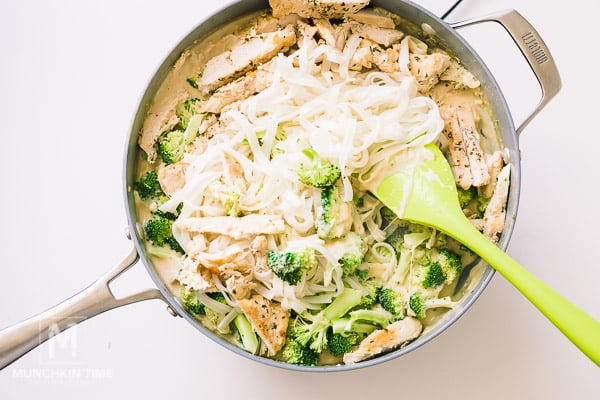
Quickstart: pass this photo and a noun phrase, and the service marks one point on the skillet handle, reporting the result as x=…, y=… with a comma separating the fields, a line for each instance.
x=533, y=49
x=17, y=340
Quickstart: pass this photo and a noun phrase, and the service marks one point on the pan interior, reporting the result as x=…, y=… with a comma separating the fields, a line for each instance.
x=479, y=273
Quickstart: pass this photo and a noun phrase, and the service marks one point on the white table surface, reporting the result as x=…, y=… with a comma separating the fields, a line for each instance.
x=71, y=73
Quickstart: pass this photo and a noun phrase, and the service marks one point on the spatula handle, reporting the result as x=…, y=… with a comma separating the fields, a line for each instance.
x=573, y=322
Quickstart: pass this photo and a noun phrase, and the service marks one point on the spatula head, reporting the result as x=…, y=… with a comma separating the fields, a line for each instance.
x=424, y=192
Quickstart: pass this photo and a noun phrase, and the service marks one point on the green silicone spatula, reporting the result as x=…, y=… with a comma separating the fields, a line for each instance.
x=426, y=194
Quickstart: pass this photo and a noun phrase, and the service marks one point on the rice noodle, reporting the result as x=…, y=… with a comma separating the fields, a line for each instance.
x=354, y=120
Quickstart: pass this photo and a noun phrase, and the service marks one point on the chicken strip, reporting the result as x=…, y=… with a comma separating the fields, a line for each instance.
x=238, y=279
x=171, y=177
x=363, y=56
x=326, y=31
x=395, y=335
x=213, y=260
x=495, y=163
x=371, y=17
x=305, y=30
x=457, y=157
x=427, y=68
x=162, y=119
x=193, y=277
x=495, y=213
x=235, y=227
x=466, y=118
x=317, y=8
x=466, y=156
x=383, y=36
x=260, y=249
x=460, y=76
x=240, y=89
x=254, y=51
x=268, y=319
x=387, y=60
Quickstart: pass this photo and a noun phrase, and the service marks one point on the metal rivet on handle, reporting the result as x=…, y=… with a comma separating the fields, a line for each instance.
x=172, y=312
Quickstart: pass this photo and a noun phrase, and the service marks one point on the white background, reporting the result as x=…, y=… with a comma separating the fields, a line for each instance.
x=71, y=73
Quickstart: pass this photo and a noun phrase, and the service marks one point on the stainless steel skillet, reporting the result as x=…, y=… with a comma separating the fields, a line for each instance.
x=97, y=298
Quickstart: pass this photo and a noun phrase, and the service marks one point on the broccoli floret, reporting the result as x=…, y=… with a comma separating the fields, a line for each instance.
x=228, y=196
x=312, y=329
x=372, y=296
x=280, y=134
x=247, y=335
x=213, y=316
x=428, y=276
x=450, y=263
x=419, y=304
x=186, y=110
x=193, y=80
x=375, y=316
x=350, y=252
x=435, y=267
x=394, y=302
x=350, y=331
x=340, y=344
x=148, y=186
x=296, y=353
x=232, y=205
x=344, y=325
x=441, y=240
x=359, y=202
x=466, y=196
x=159, y=233
x=333, y=214
x=168, y=214
x=218, y=296
x=171, y=147
x=289, y=266
x=319, y=173
x=191, y=302
x=482, y=203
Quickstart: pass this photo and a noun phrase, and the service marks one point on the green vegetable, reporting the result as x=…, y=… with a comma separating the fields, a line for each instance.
x=191, y=302
x=148, y=186
x=159, y=232
x=186, y=110
x=340, y=344
x=289, y=266
x=247, y=336
x=311, y=329
x=450, y=263
x=193, y=80
x=296, y=353
x=419, y=304
x=350, y=252
x=394, y=302
x=428, y=276
x=171, y=147
x=466, y=196
x=373, y=289
x=319, y=173
x=332, y=214
x=228, y=196
x=169, y=215
x=350, y=331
